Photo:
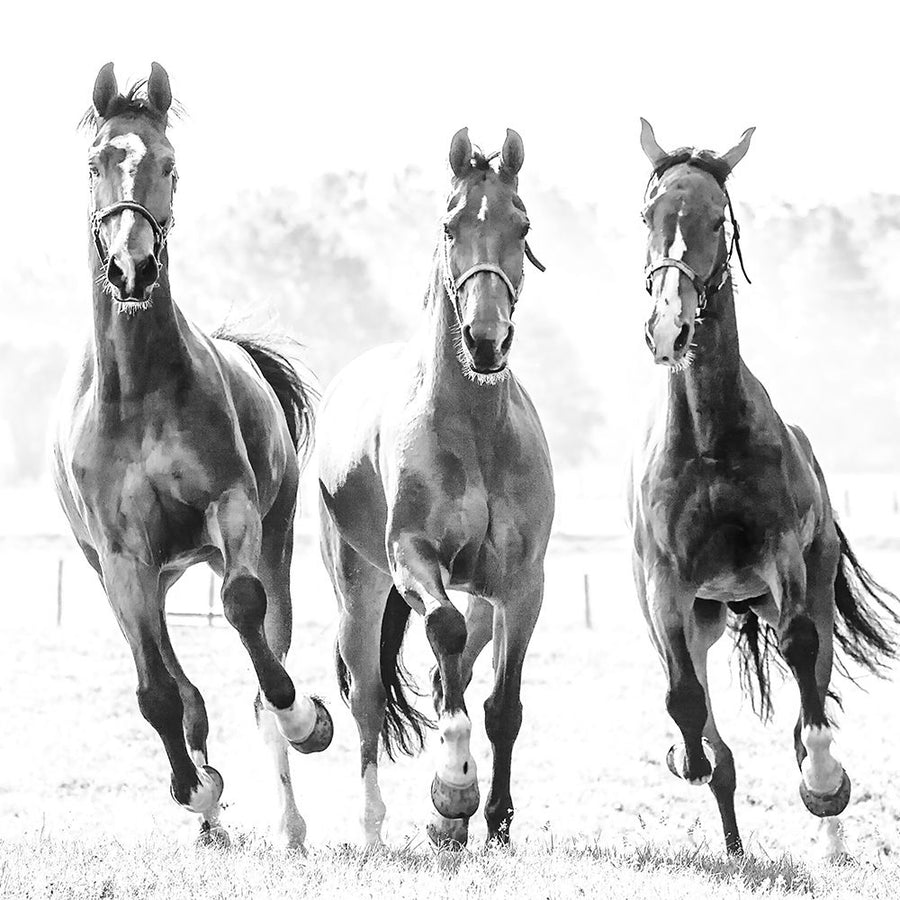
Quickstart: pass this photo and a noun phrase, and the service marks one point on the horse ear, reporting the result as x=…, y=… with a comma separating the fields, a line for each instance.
x=739, y=150
x=513, y=153
x=106, y=89
x=460, y=152
x=158, y=91
x=651, y=148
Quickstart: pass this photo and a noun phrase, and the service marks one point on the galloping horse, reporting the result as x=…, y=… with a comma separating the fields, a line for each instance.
x=175, y=448
x=435, y=474
x=729, y=508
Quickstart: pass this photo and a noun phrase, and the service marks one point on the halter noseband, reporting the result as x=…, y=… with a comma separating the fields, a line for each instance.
x=708, y=286
x=160, y=232
x=453, y=285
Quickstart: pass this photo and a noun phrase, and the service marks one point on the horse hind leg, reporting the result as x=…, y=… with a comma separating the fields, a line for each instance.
x=274, y=572
x=363, y=594
x=196, y=731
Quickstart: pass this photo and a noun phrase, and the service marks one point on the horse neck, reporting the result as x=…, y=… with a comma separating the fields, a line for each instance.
x=136, y=353
x=442, y=372
x=705, y=400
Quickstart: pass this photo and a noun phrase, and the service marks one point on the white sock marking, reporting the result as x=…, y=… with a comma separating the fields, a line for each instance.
x=374, y=808
x=455, y=764
x=297, y=721
x=821, y=771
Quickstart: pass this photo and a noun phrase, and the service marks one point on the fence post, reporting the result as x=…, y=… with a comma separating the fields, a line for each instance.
x=59, y=592
x=212, y=597
x=587, y=601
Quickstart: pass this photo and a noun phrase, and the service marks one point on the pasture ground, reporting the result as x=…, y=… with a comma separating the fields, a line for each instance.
x=85, y=810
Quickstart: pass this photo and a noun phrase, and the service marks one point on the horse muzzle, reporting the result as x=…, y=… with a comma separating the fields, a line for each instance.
x=668, y=338
x=488, y=347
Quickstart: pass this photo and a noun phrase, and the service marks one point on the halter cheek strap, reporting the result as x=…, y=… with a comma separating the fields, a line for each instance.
x=160, y=232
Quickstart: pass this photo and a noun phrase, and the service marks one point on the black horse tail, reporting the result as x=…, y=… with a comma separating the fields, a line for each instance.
x=404, y=726
x=866, y=616
x=867, y=613
x=294, y=394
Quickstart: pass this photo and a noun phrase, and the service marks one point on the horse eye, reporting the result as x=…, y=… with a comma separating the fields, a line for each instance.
x=93, y=171
x=525, y=229
x=447, y=230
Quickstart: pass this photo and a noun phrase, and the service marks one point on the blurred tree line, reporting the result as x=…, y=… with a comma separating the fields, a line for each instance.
x=345, y=266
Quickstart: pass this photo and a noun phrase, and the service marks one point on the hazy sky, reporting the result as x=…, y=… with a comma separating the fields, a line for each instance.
x=281, y=92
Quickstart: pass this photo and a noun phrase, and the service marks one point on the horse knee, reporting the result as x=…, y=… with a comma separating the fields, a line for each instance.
x=799, y=644
x=686, y=704
x=160, y=703
x=502, y=721
x=446, y=630
x=244, y=603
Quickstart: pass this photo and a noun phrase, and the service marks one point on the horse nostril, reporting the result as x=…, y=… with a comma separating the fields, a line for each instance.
x=682, y=338
x=648, y=337
x=507, y=341
x=145, y=273
x=115, y=275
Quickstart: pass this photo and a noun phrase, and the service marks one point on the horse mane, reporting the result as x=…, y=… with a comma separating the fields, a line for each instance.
x=134, y=102
x=705, y=160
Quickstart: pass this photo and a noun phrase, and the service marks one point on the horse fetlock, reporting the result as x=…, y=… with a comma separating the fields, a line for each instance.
x=202, y=798
x=291, y=831
x=446, y=630
x=307, y=725
x=244, y=603
x=448, y=833
x=694, y=768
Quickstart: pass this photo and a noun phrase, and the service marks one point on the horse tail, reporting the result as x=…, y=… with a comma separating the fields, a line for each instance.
x=756, y=644
x=294, y=394
x=404, y=726
x=866, y=613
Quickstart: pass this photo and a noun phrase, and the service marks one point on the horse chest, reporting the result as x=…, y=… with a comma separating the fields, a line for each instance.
x=147, y=492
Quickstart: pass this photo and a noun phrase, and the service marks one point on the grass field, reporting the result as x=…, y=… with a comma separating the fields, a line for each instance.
x=85, y=810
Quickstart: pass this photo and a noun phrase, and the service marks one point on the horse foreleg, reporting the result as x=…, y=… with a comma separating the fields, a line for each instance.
x=454, y=791
x=234, y=527
x=513, y=626
x=805, y=632
x=667, y=606
x=479, y=631
x=133, y=592
x=704, y=627
x=196, y=731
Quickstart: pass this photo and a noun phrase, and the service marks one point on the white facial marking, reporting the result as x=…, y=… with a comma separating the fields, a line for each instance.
x=822, y=773
x=455, y=764
x=482, y=212
x=135, y=150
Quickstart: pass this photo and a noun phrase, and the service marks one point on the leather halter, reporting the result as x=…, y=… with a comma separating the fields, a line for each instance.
x=160, y=232
x=719, y=275
x=453, y=285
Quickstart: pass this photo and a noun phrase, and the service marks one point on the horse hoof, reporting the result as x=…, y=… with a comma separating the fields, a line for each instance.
x=704, y=776
x=448, y=833
x=454, y=802
x=823, y=805
x=322, y=733
x=214, y=836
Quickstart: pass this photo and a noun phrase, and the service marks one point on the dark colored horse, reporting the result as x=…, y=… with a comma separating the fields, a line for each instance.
x=175, y=448
x=729, y=509
x=435, y=474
